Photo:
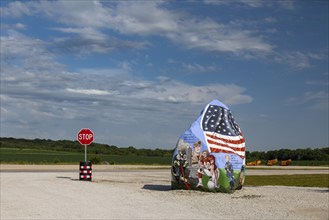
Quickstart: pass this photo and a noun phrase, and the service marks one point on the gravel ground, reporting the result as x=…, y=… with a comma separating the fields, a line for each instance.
x=146, y=194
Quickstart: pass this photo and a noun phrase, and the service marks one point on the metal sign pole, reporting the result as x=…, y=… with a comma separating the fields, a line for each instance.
x=85, y=152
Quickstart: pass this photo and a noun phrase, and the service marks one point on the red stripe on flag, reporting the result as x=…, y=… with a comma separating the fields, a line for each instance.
x=241, y=141
x=217, y=150
x=226, y=145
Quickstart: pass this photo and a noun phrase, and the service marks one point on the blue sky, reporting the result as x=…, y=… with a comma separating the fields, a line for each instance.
x=138, y=73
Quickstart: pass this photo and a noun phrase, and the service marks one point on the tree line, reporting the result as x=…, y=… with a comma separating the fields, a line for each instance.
x=75, y=146
x=321, y=154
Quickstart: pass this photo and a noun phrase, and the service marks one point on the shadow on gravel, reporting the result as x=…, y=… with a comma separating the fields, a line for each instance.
x=157, y=187
x=66, y=177
x=324, y=190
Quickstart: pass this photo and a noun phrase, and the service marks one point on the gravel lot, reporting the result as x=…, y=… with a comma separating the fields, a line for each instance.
x=145, y=194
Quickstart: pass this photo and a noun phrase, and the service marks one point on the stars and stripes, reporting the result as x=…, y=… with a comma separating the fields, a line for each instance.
x=221, y=132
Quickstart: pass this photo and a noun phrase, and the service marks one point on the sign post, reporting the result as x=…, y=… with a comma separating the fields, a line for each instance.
x=85, y=153
x=85, y=137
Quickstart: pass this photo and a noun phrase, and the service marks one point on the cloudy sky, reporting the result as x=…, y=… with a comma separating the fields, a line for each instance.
x=139, y=72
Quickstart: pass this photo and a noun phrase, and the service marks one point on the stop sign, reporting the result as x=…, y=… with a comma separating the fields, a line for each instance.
x=85, y=136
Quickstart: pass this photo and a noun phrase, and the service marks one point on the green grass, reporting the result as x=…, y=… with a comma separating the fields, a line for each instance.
x=39, y=156
x=310, y=163
x=305, y=180
x=34, y=156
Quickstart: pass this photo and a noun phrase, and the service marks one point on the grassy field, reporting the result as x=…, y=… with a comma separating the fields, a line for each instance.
x=305, y=180
x=33, y=156
x=38, y=156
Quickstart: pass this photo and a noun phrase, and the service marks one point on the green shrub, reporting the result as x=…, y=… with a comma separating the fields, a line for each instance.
x=56, y=160
x=96, y=159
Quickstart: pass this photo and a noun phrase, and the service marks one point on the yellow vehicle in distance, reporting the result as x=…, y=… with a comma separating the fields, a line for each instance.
x=286, y=162
x=272, y=162
x=254, y=163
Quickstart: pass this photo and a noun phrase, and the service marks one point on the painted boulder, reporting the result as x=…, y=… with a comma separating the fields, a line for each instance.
x=210, y=155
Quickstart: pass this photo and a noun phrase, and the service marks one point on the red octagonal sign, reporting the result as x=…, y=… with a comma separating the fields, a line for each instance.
x=85, y=136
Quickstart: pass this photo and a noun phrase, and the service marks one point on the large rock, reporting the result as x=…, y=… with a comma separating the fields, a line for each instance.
x=210, y=155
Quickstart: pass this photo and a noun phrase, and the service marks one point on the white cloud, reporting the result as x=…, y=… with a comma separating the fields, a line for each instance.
x=85, y=32
x=318, y=56
x=89, y=91
x=40, y=93
x=130, y=18
x=285, y=4
x=271, y=19
x=252, y=3
x=296, y=60
x=39, y=96
x=126, y=65
x=178, y=92
x=87, y=45
x=43, y=104
x=32, y=53
x=316, y=100
x=318, y=82
x=195, y=67
x=299, y=60
x=16, y=9
x=20, y=26
x=211, y=36
x=17, y=26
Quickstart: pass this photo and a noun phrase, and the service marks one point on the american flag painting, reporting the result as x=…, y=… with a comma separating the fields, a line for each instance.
x=221, y=132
